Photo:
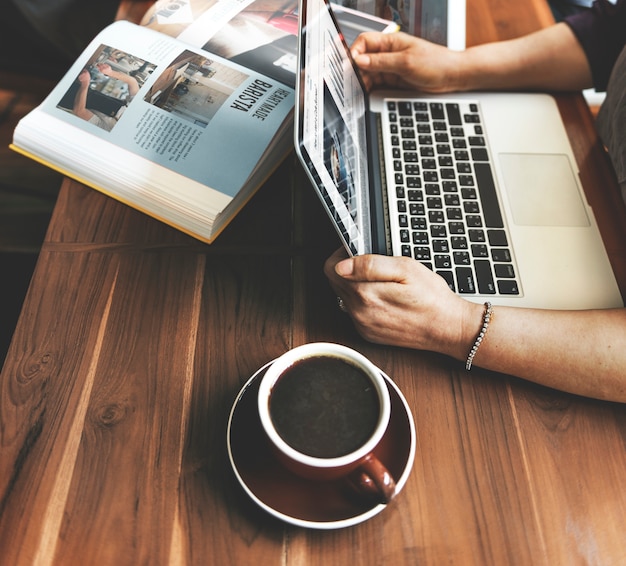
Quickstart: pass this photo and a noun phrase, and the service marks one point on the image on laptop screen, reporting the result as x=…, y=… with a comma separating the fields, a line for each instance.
x=333, y=132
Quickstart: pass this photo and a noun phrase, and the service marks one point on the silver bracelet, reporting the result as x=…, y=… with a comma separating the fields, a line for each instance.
x=481, y=335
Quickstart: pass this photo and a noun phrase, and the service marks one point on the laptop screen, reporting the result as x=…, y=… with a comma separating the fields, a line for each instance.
x=330, y=127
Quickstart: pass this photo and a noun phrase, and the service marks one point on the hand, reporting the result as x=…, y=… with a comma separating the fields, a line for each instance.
x=402, y=60
x=106, y=69
x=398, y=301
x=84, y=78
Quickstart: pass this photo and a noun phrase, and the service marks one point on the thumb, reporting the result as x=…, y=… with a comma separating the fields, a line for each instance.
x=373, y=268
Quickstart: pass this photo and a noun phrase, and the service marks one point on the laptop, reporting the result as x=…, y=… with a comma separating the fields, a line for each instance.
x=482, y=188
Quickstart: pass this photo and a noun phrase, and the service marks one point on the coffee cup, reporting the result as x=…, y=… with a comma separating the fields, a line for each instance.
x=324, y=408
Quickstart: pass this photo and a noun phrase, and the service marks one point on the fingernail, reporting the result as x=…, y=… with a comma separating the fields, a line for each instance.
x=344, y=267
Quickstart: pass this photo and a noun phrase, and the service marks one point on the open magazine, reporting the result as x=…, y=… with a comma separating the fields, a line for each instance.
x=184, y=116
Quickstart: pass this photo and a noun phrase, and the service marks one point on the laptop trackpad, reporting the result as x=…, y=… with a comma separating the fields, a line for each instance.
x=542, y=190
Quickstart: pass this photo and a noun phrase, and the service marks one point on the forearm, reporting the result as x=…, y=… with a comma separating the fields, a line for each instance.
x=80, y=102
x=581, y=352
x=550, y=59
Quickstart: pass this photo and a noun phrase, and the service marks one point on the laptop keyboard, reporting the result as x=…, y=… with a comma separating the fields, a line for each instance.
x=443, y=203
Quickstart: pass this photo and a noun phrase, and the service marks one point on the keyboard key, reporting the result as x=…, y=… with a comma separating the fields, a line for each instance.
x=471, y=207
x=438, y=231
x=508, y=287
x=465, y=279
x=436, y=216
x=434, y=203
x=405, y=108
x=480, y=250
x=420, y=238
x=454, y=114
x=501, y=255
x=443, y=261
x=497, y=238
x=476, y=235
x=488, y=197
x=452, y=199
x=486, y=285
x=418, y=223
x=417, y=209
x=436, y=110
x=441, y=246
x=461, y=258
x=421, y=253
x=454, y=213
x=458, y=242
x=456, y=227
x=479, y=154
x=504, y=271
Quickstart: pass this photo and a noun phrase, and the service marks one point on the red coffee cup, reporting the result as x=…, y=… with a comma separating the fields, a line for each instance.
x=324, y=408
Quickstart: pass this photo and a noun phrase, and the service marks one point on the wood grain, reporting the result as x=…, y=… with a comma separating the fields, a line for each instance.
x=135, y=339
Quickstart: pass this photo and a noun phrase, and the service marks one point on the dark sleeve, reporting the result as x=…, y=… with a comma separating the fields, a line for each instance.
x=601, y=31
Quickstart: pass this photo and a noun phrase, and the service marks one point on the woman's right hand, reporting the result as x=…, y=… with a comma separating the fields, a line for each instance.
x=402, y=60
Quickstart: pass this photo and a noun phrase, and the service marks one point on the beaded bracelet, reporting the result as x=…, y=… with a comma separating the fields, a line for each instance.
x=481, y=335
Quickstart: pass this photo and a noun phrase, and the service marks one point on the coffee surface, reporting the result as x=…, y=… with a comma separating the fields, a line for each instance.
x=324, y=407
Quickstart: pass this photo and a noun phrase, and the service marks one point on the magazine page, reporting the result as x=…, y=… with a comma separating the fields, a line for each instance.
x=258, y=34
x=192, y=113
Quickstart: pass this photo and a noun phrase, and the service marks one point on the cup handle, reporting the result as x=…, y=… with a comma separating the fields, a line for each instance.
x=373, y=480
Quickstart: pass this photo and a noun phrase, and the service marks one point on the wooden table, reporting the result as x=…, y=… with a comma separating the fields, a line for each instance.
x=135, y=339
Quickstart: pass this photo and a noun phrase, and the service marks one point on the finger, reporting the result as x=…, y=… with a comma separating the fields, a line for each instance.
x=366, y=42
x=376, y=268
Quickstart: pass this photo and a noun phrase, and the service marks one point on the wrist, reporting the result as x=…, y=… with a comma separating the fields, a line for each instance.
x=487, y=314
x=457, y=328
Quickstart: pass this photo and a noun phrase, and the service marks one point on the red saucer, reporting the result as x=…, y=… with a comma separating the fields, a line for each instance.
x=320, y=505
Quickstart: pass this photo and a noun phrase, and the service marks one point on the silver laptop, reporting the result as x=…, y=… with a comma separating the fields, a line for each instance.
x=482, y=188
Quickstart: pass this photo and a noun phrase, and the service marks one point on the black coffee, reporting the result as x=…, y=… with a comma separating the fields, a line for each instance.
x=324, y=407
